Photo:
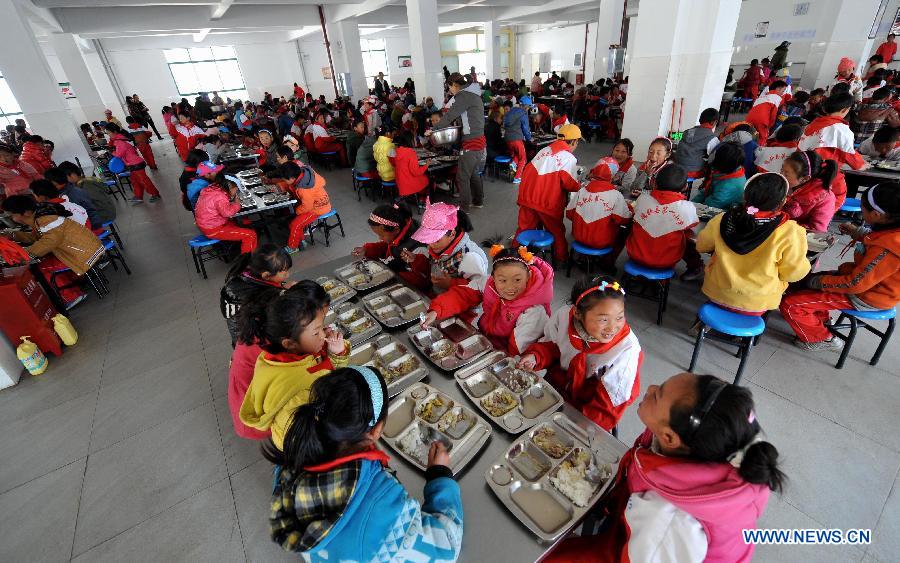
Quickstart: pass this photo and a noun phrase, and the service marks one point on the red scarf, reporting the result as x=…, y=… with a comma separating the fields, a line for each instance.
x=718, y=176
x=626, y=166
x=450, y=247
x=372, y=454
x=398, y=239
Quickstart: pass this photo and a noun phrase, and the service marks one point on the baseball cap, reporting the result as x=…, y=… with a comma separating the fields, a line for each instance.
x=605, y=168
x=207, y=168
x=436, y=221
x=569, y=132
x=525, y=100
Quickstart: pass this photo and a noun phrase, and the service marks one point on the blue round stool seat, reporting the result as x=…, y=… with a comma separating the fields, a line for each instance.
x=331, y=213
x=535, y=237
x=110, y=182
x=200, y=241
x=108, y=244
x=362, y=178
x=726, y=322
x=329, y=152
x=123, y=174
x=116, y=165
x=502, y=159
x=851, y=205
x=875, y=315
x=388, y=183
x=635, y=269
x=589, y=250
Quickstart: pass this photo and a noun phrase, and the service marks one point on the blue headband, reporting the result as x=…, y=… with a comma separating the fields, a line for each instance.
x=374, y=388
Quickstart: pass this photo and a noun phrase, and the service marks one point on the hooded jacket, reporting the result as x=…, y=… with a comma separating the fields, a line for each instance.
x=186, y=138
x=310, y=191
x=17, y=178
x=753, y=280
x=511, y=326
x=468, y=107
x=214, y=208
x=724, y=190
x=124, y=149
x=411, y=177
x=811, y=206
x=74, y=245
x=515, y=125
x=597, y=211
x=601, y=380
x=552, y=172
x=463, y=260
x=35, y=155
x=354, y=509
x=874, y=275
x=383, y=150
x=659, y=233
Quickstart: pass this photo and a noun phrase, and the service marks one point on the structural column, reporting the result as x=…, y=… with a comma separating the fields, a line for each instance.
x=492, y=50
x=34, y=86
x=844, y=33
x=70, y=57
x=424, y=39
x=609, y=32
x=681, y=54
x=346, y=53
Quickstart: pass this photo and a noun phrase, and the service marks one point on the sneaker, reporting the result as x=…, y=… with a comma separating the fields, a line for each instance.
x=75, y=302
x=822, y=346
x=291, y=250
x=512, y=166
x=135, y=201
x=517, y=180
x=693, y=274
x=477, y=205
x=155, y=198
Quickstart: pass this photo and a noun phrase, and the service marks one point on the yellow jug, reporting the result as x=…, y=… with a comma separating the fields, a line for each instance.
x=31, y=357
x=65, y=330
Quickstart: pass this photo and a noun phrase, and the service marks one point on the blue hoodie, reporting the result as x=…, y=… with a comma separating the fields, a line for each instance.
x=515, y=125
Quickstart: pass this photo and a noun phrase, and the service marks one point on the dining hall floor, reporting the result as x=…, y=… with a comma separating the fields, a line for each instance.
x=124, y=450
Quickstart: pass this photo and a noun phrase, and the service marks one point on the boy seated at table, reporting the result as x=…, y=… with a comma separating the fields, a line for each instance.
x=94, y=187
x=58, y=240
x=312, y=201
x=884, y=144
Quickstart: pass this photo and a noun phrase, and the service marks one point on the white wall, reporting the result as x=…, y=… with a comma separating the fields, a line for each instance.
x=315, y=58
x=395, y=45
x=60, y=76
x=561, y=43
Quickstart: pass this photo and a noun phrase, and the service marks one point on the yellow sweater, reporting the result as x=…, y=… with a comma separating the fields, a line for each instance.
x=754, y=281
x=382, y=149
x=278, y=388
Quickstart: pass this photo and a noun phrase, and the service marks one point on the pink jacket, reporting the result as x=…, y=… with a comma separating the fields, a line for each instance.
x=811, y=205
x=243, y=363
x=213, y=208
x=123, y=149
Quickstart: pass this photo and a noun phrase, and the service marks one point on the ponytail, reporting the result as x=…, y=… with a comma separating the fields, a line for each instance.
x=811, y=164
x=760, y=466
x=274, y=314
x=827, y=173
x=251, y=316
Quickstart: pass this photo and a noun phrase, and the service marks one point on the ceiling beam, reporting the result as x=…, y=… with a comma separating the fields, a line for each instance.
x=345, y=11
x=219, y=10
x=517, y=12
x=199, y=37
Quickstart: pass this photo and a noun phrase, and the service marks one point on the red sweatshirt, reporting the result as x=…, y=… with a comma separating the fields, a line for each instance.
x=597, y=211
x=663, y=221
x=411, y=178
x=551, y=173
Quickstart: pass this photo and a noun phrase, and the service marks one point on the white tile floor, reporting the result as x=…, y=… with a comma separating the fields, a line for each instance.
x=124, y=451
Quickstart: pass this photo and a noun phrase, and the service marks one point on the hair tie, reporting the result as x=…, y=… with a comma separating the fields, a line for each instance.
x=495, y=250
x=602, y=287
x=870, y=197
x=737, y=458
x=751, y=418
x=382, y=221
x=374, y=388
x=752, y=210
x=808, y=164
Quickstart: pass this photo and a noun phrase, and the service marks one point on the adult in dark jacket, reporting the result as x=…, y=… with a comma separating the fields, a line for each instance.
x=779, y=59
x=381, y=86
x=493, y=133
x=142, y=113
x=469, y=109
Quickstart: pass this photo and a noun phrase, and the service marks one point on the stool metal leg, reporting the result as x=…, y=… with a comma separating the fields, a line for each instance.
x=194, y=256
x=746, y=345
x=697, y=344
x=885, y=336
x=571, y=260
x=202, y=266
x=663, y=290
x=848, y=342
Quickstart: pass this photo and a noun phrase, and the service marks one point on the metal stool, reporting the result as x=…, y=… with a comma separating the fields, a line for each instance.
x=538, y=239
x=388, y=189
x=202, y=251
x=111, y=227
x=501, y=163
x=660, y=278
x=328, y=159
x=587, y=251
x=361, y=183
x=321, y=224
x=113, y=253
x=119, y=170
x=855, y=319
x=724, y=322
x=93, y=276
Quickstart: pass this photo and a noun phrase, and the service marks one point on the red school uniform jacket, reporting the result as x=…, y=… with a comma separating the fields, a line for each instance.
x=769, y=158
x=186, y=138
x=17, y=178
x=662, y=224
x=551, y=173
x=411, y=178
x=832, y=138
x=34, y=154
x=601, y=380
x=763, y=115
x=597, y=211
x=417, y=274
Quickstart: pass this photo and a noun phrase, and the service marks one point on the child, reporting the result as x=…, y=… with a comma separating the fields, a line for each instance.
x=764, y=113
x=59, y=241
x=412, y=179
x=516, y=300
x=698, y=143
x=516, y=132
x=744, y=135
x=297, y=350
x=658, y=153
x=309, y=188
x=593, y=356
x=871, y=281
x=45, y=192
x=622, y=152
x=187, y=135
x=15, y=174
x=810, y=201
x=141, y=136
x=769, y=158
x=697, y=476
x=394, y=226
x=323, y=141
x=95, y=188
x=598, y=212
x=757, y=250
x=195, y=157
x=33, y=153
x=872, y=113
x=355, y=139
x=455, y=258
x=335, y=499
x=794, y=107
x=559, y=118
x=365, y=164
x=846, y=75
x=883, y=144
x=216, y=206
x=384, y=150
x=725, y=186
x=169, y=120
x=123, y=149
x=206, y=173
x=831, y=137
x=266, y=148
x=663, y=229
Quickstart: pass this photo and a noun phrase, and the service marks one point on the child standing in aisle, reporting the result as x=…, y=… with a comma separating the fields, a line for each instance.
x=187, y=135
x=215, y=208
x=593, y=356
x=122, y=148
x=516, y=132
x=141, y=137
x=455, y=258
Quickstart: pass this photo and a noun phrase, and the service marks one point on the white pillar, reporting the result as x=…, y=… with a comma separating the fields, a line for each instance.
x=681, y=52
x=346, y=53
x=492, y=49
x=844, y=33
x=629, y=48
x=88, y=96
x=424, y=39
x=102, y=80
x=34, y=86
x=609, y=32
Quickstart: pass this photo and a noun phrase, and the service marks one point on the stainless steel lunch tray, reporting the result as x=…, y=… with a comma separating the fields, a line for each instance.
x=364, y=275
x=404, y=417
x=248, y=173
x=337, y=290
x=461, y=342
x=497, y=374
x=819, y=242
x=396, y=305
x=521, y=476
x=362, y=328
x=385, y=352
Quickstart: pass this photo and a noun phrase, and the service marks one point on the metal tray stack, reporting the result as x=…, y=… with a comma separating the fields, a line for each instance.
x=364, y=275
x=423, y=414
x=530, y=481
x=396, y=305
x=339, y=292
x=450, y=344
x=496, y=380
x=398, y=365
x=353, y=321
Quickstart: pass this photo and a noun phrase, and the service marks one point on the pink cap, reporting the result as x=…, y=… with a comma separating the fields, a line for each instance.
x=436, y=221
x=605, y=168
x=846, y=64
x=207, y=168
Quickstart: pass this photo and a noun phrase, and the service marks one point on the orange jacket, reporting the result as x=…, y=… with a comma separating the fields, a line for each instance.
x=873, y=276
x=313, y=199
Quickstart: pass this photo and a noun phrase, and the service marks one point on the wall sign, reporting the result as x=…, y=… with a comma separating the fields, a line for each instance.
x=65, y=89
x=762, y=29
x=404, y=61
x=326, y=72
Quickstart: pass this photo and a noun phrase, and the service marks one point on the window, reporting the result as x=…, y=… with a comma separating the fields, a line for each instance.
x=9, y=107
x=374, y=60
x=206, y=69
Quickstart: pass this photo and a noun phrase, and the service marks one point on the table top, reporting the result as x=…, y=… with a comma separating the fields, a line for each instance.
x=261, y=207
x=239, y=154
x=488, y=524
x=873, y=172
